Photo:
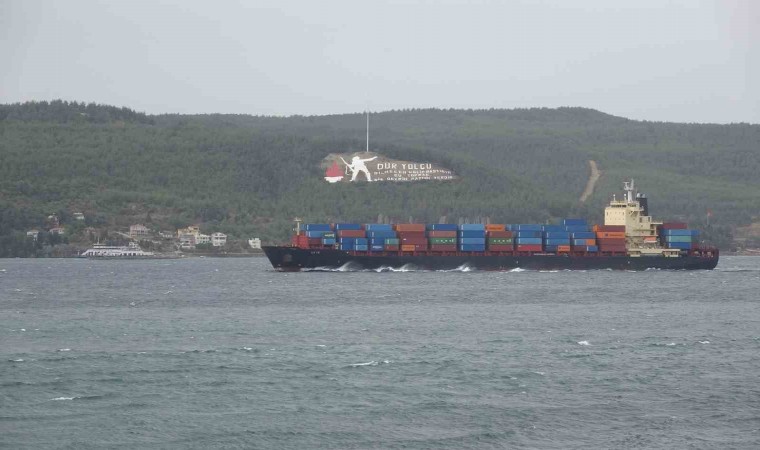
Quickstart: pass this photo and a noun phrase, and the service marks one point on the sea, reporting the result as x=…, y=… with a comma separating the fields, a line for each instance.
x=208, y=353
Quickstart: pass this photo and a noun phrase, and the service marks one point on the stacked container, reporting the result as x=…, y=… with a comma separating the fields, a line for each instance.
x=380, y=236
x=499, y=239
x=442, y=237
x=677, y=235
x=472, y=237
x=411, y=236
x=528, y=237
x=610, y=238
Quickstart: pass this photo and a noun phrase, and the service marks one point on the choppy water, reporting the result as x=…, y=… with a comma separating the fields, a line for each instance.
x=225, y=353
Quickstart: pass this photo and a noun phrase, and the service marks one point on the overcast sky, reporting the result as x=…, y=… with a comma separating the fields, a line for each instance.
x=681, y=61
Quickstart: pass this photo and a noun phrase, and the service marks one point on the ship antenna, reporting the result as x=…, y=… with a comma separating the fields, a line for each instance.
x=628, y=187
x=367, y=131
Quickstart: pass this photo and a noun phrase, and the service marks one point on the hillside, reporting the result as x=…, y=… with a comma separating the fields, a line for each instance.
x=248, y=176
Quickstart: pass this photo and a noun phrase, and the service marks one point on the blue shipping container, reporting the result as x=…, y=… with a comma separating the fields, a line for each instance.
x=576, y=228
x=528, y=234
x=472, y=234
x=328, y=241
x=680, y=232
x=592, y=248
x=574, y=222
x=529, y=240
x=315, y=227
x=557, y=235
x=378, y=227
x=377, y=248
x=349, y=240
x=361, y=247
x=346, y=245
x=472, y=247
x=552, y=228
x=442, y=227
x=377, y=241
x=472, y=227
x=528, y=227
x=473, y=241
x=348, y=226
x=550, y=248
x=315, y=234
x=381, y=234
x=557, y=241
x=584, y=235
x=681, y=245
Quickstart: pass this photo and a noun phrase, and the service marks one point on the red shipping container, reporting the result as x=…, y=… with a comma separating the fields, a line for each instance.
x=351, y=233
x=674, y=226
x=315, y=241
x=499, y=234
x=442, y=234
x=391, y=247
x=529, y=247
x=500, y=248
x=410, y=234
x=610, y=241
x=409, y=227
x=612, y=228
x=444, y=248
x=495, y=227
x=300, y=241
x=610, y=235
x=413, y=248
x=612, y=248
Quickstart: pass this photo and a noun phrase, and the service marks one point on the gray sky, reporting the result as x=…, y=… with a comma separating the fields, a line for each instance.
x=681, y=61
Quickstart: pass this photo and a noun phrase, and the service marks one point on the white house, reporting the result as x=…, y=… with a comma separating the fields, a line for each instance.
x=78, y=216
x=57, y=230
x=202, y=239
x=187, y=241
x=255, y=243
x=138, y=230
x=34, y=234
x=218, y=239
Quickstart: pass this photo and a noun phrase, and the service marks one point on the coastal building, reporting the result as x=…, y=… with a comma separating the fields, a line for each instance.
x=166, y=235
x=202, y=239
x=57, y=230
x=138, y=230
x=195, y=230
x=218, y=239
x=78, y=216
x=187, y=241
x=34, y=234
x=255, y=243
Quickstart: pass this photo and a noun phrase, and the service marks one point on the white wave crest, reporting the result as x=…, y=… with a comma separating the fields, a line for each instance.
x=583, y=343
x=370, y=363
x=62, y=398
x=64, y=350
x=517, y=269
x=704, y=342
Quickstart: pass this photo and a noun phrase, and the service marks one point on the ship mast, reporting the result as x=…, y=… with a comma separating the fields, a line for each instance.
x=367, y=150
x=629, y=189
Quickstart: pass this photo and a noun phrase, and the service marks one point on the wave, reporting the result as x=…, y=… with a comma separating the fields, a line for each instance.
x=583, y=343
x=370, y=363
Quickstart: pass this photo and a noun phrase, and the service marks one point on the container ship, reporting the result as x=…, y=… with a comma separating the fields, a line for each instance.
x=629, y=240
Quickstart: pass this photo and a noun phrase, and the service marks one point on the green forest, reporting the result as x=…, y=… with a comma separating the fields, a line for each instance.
x=251, y=175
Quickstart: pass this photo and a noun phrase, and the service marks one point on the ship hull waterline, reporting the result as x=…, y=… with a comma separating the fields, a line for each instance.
x=290, y=259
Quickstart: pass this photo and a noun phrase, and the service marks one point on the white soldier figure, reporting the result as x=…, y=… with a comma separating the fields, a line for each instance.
x=357, y=165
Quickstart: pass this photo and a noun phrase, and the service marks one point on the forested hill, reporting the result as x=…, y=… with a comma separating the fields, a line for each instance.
x=249, y=176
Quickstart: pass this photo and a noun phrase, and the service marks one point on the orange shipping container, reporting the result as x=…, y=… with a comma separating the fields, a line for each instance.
x=590, y=241
x=408, y=248
x=409, y=227
x=495, y=227
x=563, y=248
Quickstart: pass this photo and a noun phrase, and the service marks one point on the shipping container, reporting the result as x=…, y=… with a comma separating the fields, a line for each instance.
x=574, y=222
x=526, y=227
x=500, y=241
x=681, y=245
x=409, y=227
x=610, y=241
x=442, y=234
x=315, y=241
x=557, y=241
x=411, y=234
x=361, y=247
x=377, y=241
x=528, y=234
x=328, y=241
x=408, y=247
x=500, y=247
x=381, y=234
x=576, y=228
x=557, y=235
x=472, y=234
x=554, y=228
x=378, y=227
x=377, y=248
x=529, y=248
x=529, y=241
x=392, y=241
x=584, y=235
x=679, y=239
x=439, y=241
x=610, y=235
x=563, y=248
x=414, y=241
x=472, y=227
x=550, y=248
x=391, y=247
x=472, y=247
x=442, y=227
x=495, y=227
x=610, y=228
x=500, y=234
x=315, y=234
x=348, y=226
x=350, y=233
x=592, y=248
x=315, y=227
x=472, y=241
x=444, y=247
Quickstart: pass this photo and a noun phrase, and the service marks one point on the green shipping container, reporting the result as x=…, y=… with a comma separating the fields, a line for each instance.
x=329, y=235
x=442, y=241
x=392, y=241
x=679, y=238
x=500, y=241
